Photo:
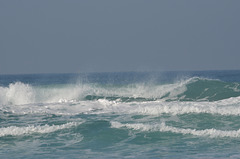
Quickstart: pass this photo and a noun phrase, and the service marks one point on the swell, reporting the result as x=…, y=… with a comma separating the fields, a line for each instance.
x=192, y=89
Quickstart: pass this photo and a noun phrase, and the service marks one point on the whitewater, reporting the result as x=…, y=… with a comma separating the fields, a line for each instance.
x=121, y=115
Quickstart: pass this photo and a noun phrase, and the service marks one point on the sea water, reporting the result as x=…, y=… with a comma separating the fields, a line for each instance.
x=121, y=115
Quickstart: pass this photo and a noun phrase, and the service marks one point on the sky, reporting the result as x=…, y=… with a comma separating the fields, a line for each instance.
x=74, y=36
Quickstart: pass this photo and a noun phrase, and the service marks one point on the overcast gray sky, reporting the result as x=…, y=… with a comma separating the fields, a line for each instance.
x=72, y=36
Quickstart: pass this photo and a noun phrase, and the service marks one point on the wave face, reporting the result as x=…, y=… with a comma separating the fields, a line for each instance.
x=121, y=115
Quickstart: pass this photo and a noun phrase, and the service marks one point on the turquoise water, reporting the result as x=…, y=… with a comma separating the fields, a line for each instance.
x=121, y=115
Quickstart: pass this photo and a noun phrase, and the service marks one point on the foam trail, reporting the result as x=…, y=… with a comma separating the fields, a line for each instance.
x=16, y=131
x=157, y=108
x=163, y=128
x=101, y=106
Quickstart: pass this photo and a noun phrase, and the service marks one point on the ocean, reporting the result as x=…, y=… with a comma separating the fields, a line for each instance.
x=181, y=114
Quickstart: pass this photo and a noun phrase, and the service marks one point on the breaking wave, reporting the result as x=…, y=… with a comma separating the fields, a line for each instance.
x=193, y=89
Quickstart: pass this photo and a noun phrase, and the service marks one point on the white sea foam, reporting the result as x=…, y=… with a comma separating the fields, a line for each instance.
x=16, y=131
x=164, y=128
